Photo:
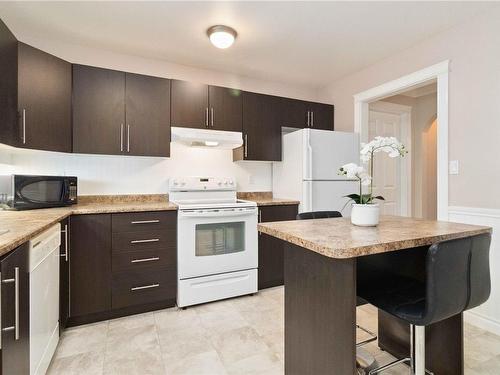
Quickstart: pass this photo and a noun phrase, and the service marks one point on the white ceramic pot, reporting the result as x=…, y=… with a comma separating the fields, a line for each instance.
x=365, y=215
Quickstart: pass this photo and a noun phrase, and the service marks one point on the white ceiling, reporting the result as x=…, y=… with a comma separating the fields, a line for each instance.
x=305, y=43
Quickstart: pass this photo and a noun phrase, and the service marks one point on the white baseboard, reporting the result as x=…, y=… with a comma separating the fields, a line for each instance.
x=482, y=322
x=486, y=316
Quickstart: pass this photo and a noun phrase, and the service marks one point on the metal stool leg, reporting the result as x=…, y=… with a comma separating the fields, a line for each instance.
x=419, y=350
x=372, y=334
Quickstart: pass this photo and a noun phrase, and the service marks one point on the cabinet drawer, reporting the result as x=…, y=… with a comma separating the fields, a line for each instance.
x=144, y=286
x=145, y=240
x=144, y=221
x=138, y=260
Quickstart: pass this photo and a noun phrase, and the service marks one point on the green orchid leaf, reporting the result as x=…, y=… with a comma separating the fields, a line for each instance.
x=379, y=197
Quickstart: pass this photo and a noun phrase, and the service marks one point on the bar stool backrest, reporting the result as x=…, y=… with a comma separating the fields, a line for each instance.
x=318, y=215
x=457, y=277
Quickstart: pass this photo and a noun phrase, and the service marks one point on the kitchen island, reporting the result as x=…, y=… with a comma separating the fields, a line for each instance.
x=323, y=263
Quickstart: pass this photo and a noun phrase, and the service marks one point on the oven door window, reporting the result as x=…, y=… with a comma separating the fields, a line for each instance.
x=219, y=238
x=46, y=191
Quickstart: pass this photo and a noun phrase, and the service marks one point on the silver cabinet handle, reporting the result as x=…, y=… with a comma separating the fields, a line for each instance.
x=145, y=260
x=145, y=222
x=121, y=137
x=206, y=117
x=144, y=287
x=128, y=137
x=246, y=145
x=212, y=116
x=65, y=231
x=145, y=241
x=24, y=126
x=260, y=220
x=1, y=311
x=15, y=280
x=312, y=119
x=308, y=118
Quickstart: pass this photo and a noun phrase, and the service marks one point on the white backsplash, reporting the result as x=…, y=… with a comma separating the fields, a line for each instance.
x=137, y=175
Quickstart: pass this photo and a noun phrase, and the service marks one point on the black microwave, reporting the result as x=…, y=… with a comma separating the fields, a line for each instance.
x=25, y=192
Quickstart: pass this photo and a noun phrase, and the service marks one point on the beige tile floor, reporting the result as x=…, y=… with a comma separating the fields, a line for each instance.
x=238, y=336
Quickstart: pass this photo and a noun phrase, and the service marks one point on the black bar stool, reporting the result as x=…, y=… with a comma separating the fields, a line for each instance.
x=457, y=278
x=360, y=301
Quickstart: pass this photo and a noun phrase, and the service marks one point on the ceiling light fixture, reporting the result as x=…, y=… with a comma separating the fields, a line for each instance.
x=221, y=36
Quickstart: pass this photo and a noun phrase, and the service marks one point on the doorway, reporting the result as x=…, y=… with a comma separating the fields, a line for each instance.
x=436, y=132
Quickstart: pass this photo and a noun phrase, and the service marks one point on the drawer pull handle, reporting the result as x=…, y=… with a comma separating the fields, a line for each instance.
x=145, y=260
x=145, y=222
x=145, y=241
x=144, y=287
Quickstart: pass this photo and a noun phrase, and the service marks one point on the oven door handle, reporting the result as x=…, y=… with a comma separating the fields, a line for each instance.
x=218, y=213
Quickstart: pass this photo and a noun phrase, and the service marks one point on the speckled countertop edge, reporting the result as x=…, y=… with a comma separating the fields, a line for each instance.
x=331, y=250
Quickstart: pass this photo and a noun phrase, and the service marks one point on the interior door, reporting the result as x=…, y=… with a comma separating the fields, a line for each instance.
x=189, y=104
x=386, y=181
x=98, y=110
x=225, y=108
x=15, y=350
x=147, y=106
x=44, y=100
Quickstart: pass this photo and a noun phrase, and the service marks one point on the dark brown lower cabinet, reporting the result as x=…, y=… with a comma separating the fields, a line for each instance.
x=90, y=264
x=15, y=312
x=122, y=264
x=271, y=250
x=64, y=253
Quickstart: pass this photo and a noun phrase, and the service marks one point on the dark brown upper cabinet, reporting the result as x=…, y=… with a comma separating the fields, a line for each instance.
x=35, y=96
x=225, y=108
x=261, y=128
x=321, y=116
x=301, y=114
x=147, y=115
x=120, y=113
x=202, y=106
x=98, y=110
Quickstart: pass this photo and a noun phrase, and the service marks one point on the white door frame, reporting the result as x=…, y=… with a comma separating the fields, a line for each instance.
x=405, y=178
x=437, y=72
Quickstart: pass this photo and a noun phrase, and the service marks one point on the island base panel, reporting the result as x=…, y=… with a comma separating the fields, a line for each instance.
x=444, y=349
x=320, y=313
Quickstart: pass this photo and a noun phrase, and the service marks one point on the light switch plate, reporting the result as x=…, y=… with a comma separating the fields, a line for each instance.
x=453, y=167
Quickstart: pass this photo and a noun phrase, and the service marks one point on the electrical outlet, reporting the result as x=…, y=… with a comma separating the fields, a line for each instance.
x=453, y=167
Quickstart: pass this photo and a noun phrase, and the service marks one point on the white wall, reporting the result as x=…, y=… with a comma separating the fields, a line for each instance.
x=474, y=129
x=124, y=175
x=474, y=97
x=137, y=175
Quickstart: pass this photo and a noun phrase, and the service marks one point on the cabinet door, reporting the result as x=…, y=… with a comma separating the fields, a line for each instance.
x=225, y=108
x=98, y=110
x=44, y=100
x=271, y=249
x=65, y=254
x=147, y=106
x=90, y=264
x=15, y=340
x=189, y=105
x=321, y=116
x=261, y=128
x=295, y=113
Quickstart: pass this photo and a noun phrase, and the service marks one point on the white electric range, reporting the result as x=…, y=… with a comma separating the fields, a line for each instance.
x=217, y=241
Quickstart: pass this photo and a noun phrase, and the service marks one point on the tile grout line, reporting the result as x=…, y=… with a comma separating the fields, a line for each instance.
x=159, y=342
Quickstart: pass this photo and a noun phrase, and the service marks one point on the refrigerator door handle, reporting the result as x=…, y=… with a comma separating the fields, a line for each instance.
x=308, y=157
x=307, y=197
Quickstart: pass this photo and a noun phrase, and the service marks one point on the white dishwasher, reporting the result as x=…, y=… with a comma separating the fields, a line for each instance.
x=44, y=298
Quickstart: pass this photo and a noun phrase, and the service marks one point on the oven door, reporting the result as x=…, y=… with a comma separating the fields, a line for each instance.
x=213, y=241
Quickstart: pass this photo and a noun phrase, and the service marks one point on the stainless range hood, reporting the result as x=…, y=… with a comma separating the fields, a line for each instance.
x=207, y=138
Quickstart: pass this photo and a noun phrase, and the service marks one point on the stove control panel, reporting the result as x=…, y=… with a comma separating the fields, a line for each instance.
x=201, y=183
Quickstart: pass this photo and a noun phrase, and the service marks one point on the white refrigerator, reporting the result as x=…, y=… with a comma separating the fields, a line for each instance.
x=308, y=170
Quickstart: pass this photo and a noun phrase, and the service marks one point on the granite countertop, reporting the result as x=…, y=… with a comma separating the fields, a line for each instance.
x=338, y=238
x=265, y=198
x=24, y=225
